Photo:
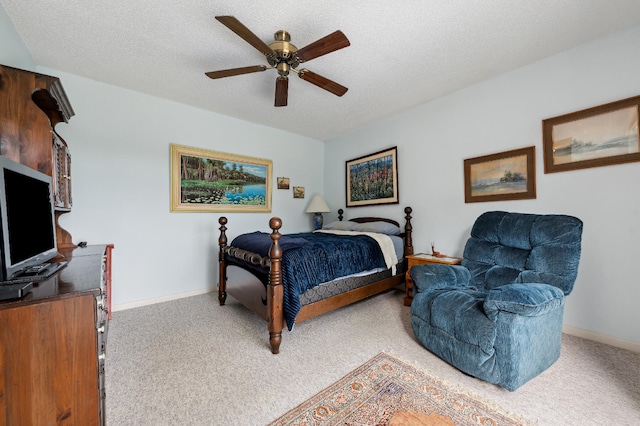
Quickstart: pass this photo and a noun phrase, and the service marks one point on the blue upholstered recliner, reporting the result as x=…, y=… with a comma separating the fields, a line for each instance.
x=498, y=315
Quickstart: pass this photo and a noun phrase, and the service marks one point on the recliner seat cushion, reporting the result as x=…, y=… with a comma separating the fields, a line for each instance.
x=460, y=313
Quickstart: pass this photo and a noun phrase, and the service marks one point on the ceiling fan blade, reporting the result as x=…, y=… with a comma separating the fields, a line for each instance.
x=235, y=71
x=282, y=91
x=322, y=82
x=334, y=41
x=237, y=27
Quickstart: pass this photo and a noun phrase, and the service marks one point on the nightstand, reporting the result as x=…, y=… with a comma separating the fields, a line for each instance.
x=423, y=259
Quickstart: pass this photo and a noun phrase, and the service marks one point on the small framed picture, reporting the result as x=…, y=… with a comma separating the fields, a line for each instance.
x=283, y=182
x=298, y=192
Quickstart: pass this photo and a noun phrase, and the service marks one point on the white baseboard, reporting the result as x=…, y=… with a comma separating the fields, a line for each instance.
x=145, y=302
x=574, y=331
x=602, y=338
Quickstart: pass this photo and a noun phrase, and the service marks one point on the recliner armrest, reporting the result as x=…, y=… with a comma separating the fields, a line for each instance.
x=530, y=299
x=437, y=276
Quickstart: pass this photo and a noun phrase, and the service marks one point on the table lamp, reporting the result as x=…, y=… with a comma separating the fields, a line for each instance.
x=318, y=206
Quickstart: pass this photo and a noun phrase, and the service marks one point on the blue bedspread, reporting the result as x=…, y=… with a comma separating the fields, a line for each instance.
x=310, y=259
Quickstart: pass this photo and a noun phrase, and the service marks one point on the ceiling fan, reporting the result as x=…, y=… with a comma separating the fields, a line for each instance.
x=285, y=57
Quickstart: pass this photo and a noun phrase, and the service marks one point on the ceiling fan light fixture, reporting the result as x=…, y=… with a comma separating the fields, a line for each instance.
x=283, y=69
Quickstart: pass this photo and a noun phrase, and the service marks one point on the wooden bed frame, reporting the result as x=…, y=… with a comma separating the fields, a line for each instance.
x=252, y=297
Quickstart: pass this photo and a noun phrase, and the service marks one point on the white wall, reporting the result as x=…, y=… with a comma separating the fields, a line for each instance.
x=506, y=113
x=120, y=143
x=13, y=52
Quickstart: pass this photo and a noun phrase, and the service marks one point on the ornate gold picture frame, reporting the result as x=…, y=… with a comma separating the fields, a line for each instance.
x=212, y=181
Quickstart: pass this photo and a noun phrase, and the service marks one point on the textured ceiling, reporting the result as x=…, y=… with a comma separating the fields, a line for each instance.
x=403, y=53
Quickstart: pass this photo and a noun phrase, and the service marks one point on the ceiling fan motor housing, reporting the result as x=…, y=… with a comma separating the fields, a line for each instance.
x=284, y=57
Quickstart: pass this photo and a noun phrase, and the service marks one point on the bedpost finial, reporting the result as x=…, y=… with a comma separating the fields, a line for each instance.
x=222, y=220
x=408, y=210
x=275, y=223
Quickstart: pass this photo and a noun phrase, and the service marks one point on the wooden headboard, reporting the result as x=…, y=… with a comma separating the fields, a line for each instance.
x=368, y=219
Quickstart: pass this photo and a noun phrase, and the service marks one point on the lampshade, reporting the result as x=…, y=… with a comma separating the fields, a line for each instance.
x=318, y=205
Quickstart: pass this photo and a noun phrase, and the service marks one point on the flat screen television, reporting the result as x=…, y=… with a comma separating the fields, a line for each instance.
x=27, y=224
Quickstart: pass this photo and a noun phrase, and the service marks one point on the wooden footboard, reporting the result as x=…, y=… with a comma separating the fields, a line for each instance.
x=273, y=312
x=274, y=298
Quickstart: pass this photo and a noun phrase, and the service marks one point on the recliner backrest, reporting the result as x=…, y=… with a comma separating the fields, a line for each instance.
x=507, y=248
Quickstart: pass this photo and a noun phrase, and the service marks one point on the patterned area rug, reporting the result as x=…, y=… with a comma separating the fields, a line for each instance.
x=387, y=391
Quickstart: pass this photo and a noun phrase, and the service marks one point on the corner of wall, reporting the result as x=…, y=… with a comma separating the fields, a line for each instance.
x=13, y=51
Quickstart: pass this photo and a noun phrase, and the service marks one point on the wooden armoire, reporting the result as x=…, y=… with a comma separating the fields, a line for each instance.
x=53, y=340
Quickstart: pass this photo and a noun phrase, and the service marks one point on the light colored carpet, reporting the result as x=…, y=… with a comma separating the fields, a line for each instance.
x=193, y=362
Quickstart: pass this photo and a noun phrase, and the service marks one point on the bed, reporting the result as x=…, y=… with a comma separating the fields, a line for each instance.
x=287, y=279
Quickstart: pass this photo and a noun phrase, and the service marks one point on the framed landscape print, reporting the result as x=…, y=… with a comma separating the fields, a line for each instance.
x=598, y=136
x=373, y=179
x=211, y=181
x=509, y=175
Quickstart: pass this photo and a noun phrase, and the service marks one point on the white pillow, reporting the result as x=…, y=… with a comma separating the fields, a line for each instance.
x=380, y=227
x=344, y=225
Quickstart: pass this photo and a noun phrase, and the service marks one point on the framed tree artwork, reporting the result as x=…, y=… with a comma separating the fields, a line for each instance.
x=373, y=179
x=212, y=181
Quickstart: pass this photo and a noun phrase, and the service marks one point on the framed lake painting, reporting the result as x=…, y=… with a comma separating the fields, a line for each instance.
x=211, y=181
x=598, y=136
x=373, y=179
x=509, y=175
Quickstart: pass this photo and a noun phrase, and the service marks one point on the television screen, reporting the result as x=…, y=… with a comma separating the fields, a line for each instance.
x=28, y=216
x=26, y=213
